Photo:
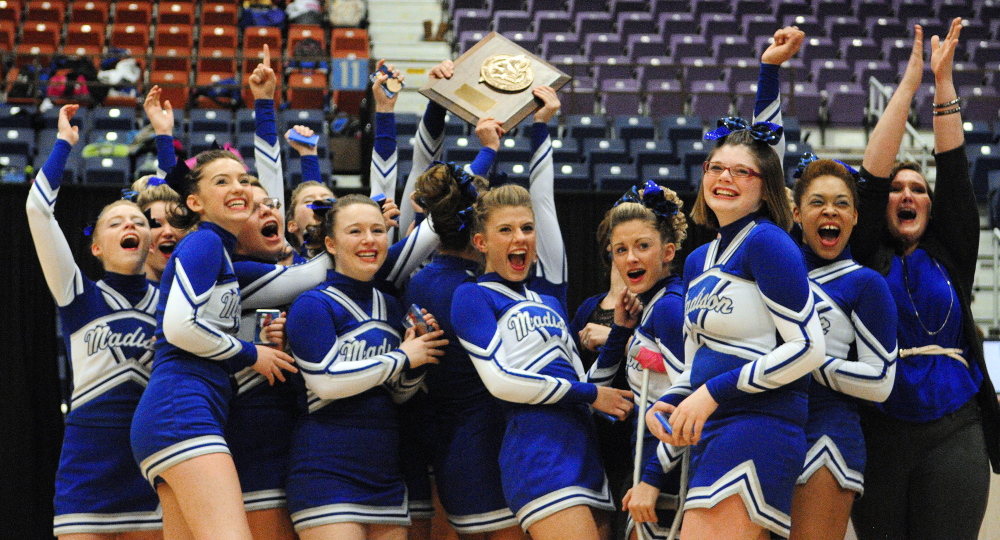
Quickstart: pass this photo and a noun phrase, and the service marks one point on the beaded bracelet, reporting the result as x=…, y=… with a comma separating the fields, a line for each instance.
x=955, y=101
x=949, y=111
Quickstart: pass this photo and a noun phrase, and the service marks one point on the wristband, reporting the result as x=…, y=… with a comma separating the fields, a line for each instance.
x=949, y=111
x=955, y=101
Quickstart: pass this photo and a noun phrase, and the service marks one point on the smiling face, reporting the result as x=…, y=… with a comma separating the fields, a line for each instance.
x=164, y=240
x=302, y=215
x=732, y=198
x=260, y=237
x=358, y=241
x=223, y=196
x=508, y=240
x=640, y=256
x=827, y=215
x=121, y=239
x=909, y=208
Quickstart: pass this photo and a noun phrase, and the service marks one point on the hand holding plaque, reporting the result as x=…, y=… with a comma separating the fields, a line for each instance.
x=492, y=79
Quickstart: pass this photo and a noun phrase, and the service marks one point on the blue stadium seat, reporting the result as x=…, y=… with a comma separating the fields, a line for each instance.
x=634, y=127
x=572, y=176
x=200, y=141
x=566, y=151
x=107, y=170
x=515, y=150
x=675, y=128
x=12, y=169
x=616, y=178
x=653, y=152
x=517, y=173
x=406, y=124
x=217, y=120
x=311, y=118
x=599, y=151
x=17, y=141
x=668, y=176
x=15, y=116
x=461, y=149
x=113, y=118
x=584, y=126
x=293, y=172
x=692, y=153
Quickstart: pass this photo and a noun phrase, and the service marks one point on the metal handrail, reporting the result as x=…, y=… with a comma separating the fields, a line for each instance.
x=878, y=96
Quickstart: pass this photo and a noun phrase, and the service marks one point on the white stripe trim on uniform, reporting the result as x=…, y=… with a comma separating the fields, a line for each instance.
x=825, y=274
x=350, y=513
x=824, y=453
x=485, y=522
x=504, y=290
x=180, y=452
x=95, y=523
x=561, y=499
x=348, y=304
x=733, y=246
x=264, y=500
x=422, y=509
x=120, y=375
x=742, y=480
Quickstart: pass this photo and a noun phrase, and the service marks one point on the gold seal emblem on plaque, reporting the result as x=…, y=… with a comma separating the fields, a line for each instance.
x=507, y=73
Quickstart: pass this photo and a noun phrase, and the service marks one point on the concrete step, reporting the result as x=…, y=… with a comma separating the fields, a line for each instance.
x=400, y=54
x=411, y=101
x=396, y=32
x=416, y=11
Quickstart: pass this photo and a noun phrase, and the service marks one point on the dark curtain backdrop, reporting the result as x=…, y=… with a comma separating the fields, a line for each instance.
x=30, y=390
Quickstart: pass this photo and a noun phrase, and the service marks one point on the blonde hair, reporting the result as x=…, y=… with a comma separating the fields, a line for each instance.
x=105, y=210
x=501, y=197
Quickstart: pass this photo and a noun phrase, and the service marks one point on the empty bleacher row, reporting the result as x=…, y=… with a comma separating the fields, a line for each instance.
x=668, y=57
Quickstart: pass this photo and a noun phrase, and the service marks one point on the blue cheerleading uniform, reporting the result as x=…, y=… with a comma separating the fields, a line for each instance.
x=743, y=291
x=108, y=328
x=659, y=334
x=854, y=306
x=345, y=463
x=519, y=343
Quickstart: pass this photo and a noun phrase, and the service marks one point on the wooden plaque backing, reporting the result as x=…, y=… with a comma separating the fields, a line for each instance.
x=469, y=99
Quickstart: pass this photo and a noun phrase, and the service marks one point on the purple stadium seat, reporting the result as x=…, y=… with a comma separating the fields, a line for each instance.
x=507, y=5
x=752, y=7
x=993, y=75
x=467, y=39
x=844, y=25
x=528, y=40
x=631, y=23
x=819, y=48
x=619, y=7
x=669, y=6
x=472, y=19
x=745, y=89
x=883, y=28
x=989, y=10
x=676, y=23
x=644, y=46
x=755, y=26
x=895, y=51
x=576, y=6
x=620, y=96
x=975, y=30
x=830, y=71
x=594, y=22
x=688, y=45
x=967, y=75
x=665, y=97
x=632, y=127
x=980, y=103
x=602, y=45
x=882, y=71
x=534, y=6
x=710, y=98
x=719, y=24
x=793, y=7
x=833, y=8
x=701, y=69
x=659, y=69
x=741, y=70
x=761, y=43
x=803, y=102
x=807, y=23
x=710, y=6
x=556, y=44
x=511, y=21
x=948, y=10
x=854, y=49
x=613, y=67
x=872, y=8
x=847, y=103
x=727, y=47
x=932, y=26
x=578, y=97
x=924, y=105
x=552, y=21
x=907, y=9
x=468, y=4
x=575, y=65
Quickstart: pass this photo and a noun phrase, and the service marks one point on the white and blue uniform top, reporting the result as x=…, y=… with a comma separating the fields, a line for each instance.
x=108, y=325
x=855, y=309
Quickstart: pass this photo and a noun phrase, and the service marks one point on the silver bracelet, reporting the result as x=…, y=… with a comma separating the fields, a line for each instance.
x=955, y=101
x=949, y=111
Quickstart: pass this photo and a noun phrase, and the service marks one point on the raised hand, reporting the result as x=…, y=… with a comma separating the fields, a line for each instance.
x=444, y=70
x=943, y=51
x=302, y=149
x=550, y=103
x=390, y=213
x=384, y=103
x=489, y=132
x=915, y=66
x=263, y=81
x=787, y=42
x=68, y=132
x=161, y=116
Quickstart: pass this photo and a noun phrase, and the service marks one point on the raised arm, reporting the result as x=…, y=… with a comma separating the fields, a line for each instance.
x=63, y=276
x=948, y=132
x=383, y=167
x=267, y=154
x=767, y=108
x=161, y=117
x=429, y=141
x=870, y=377
x=551, y=265
x=265, y=285
x=308, y=155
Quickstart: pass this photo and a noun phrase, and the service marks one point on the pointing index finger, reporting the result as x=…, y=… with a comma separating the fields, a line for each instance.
x=267, y=56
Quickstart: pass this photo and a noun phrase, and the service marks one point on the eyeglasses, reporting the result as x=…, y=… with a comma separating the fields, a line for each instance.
x=714, y=168
x=271, y=202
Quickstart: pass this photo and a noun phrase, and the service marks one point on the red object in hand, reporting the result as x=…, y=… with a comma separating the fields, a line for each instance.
x=651, y=360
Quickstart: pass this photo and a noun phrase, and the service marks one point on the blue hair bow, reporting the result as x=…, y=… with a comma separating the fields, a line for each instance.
x=321, y=206
x=466, y=218
x=767, y=132
x=130, y=195
x=653, y=198
x=88, y=230
x=809, y=157
x=463, y=178
x=155, y=181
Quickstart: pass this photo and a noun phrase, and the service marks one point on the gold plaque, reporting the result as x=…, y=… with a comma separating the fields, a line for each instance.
x=507, y=73
x=494, y=79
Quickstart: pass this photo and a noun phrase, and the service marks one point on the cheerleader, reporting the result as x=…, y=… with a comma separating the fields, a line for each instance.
x=520, y=346
x=108, y=326
x=742, y=394
x=931, y=442
x=645, y=231
x=345, y=479
x=177, y=434
x=855, y=308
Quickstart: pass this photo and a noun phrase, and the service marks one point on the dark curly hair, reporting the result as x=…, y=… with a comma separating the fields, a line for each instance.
x=443, y=198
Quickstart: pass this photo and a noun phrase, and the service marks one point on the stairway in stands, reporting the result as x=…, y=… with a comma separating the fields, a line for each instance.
x=397, y=34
